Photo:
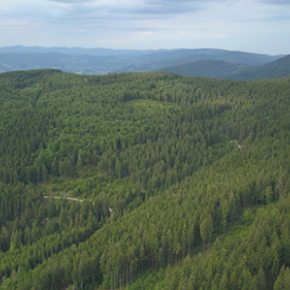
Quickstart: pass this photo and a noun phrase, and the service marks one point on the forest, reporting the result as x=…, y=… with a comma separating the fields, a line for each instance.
x=143, y=181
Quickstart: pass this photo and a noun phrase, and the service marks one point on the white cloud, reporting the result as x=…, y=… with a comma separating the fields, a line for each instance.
x=252, y=25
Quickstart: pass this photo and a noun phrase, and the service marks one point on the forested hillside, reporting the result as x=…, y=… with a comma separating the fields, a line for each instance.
x=175, y=183
x=237, y=71
x=275, y=69
x=208, y=68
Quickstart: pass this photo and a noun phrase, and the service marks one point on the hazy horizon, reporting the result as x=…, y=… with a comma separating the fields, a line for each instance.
x=256, y=26
x=128, y=49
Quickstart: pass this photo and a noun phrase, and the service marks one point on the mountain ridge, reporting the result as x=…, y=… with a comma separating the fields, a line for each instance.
x=225, y=70
x=103, y=61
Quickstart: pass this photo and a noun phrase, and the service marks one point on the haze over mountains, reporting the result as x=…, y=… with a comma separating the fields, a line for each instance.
x=214, y=63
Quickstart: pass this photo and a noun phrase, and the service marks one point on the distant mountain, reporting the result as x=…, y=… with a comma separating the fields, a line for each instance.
x=190, y=56
x=207, y=68
x=276, y=69
x=225, y=70
x=203, y=62
x=84, y=64
x=104, y=52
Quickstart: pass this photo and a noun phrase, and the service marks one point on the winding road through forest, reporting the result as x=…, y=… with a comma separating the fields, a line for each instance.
x=69, y=198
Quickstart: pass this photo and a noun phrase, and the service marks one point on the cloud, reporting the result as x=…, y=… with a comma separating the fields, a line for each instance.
x=133, y=7
x=275, y=2
x=232, y=24
x=72, y=1
x=166, y=7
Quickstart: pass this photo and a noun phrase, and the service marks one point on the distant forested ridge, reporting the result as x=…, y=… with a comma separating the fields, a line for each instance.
x=103, y=61
x=238, y=71
x=184, y=182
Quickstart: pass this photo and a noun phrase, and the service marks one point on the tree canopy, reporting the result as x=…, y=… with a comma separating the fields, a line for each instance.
x=174, y=183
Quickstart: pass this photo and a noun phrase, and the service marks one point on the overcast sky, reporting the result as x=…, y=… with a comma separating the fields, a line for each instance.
x=261, y=26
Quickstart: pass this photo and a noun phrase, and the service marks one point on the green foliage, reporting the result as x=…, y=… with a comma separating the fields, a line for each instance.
x=118, y=181
x=248, y=259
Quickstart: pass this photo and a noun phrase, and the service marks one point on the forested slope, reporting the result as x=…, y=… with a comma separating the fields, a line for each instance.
x=275, y=69
x=184, y=177
x=238, y=71
x=208, y=68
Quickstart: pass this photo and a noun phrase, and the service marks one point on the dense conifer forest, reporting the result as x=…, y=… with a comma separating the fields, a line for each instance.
x=143, y=181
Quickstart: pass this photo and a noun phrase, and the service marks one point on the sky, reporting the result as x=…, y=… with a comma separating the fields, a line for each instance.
x=261, y=26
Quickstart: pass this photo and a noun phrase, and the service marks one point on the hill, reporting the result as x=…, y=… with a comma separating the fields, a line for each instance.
x=207, y=68
x=233, y=57
x=85, y=64
x=103, y=52
x=276, y=69
x=103, y=61
x=224, y=70
x=148, y=180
